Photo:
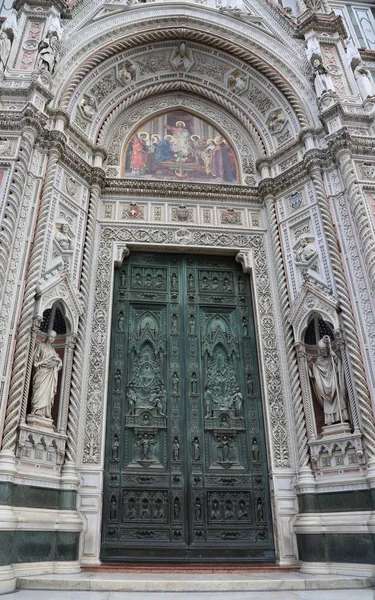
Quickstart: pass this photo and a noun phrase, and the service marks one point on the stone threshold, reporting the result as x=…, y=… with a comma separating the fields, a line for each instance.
x=191, y=582
x=189, y=568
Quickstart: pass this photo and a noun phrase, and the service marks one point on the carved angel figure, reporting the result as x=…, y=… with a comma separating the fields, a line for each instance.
x=88, y=106
x=126, y=73
x=327, y=379
x=47, y=364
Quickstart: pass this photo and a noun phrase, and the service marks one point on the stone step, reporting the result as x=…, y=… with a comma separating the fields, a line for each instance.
x=191, y=582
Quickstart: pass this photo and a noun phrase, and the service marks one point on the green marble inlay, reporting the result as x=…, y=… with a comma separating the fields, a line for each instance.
x=36, y=497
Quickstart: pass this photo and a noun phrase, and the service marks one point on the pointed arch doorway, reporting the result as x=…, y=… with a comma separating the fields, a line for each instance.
x=186, y=467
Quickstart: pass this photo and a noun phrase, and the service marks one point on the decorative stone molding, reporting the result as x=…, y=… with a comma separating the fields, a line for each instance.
x=189, y=238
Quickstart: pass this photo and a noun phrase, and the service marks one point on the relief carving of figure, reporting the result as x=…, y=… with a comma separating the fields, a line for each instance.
x=208, y=400
x=364, y=81
x=115, y=447
x=62, y=237
x=132, y=399
x=306, y=252
x=237, y=82
x=327, y=379
x=126, y=73
x=196, y=449
x=194, y=383
x=88, y=107
x=48, y=50
x=47, y=364
x=237, y=401
x=5, y=47
x=176, y=449
x=175, y=383
x=181, y=61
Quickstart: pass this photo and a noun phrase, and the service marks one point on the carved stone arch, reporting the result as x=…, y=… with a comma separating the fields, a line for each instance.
x=127, y=122
x=286, y=68
x=312, y=300
x=57, y=287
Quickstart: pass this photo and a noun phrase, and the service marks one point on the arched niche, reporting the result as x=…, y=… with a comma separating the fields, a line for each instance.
x=179, y=146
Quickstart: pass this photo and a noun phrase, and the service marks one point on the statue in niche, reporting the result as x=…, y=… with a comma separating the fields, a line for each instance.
x=46, y=364
x=198, y=509
x=227, y=285
x=131, y=512
x=305, y=252
x=132, y=399
x=121, y=321
x=176, y=449
x=208, y=400
x=118, y=381
x=223, y=449
x=327, y=378
x=241, y=287
x=88, y=107
x=196, y=450
x=174, y=323
x=176, y=508
x=48, y=50
x=260, y=510
x=250, y=384
x=322, y=78
x=190, y=281
x=237, y=401
x=175, y=383
x=62, y=237
x=242, y=510
x=113, y=509
x=123, y=279
x=5, y=47
x=215, y=284
x=364, y=81
x=255, y=450
x=115, y=448
x=126, y=73
x=194, y=383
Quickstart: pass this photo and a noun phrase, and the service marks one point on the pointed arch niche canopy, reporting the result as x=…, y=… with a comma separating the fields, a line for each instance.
x=179, y=146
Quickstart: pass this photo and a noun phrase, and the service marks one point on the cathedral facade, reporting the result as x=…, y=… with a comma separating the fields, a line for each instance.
x=187, y=275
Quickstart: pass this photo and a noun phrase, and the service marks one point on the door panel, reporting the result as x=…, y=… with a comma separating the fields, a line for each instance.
x=185, y=467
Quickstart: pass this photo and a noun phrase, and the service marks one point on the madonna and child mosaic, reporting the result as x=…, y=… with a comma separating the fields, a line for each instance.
x=180, y=146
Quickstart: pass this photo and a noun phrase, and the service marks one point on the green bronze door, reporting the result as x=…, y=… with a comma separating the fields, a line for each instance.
x=185, y=468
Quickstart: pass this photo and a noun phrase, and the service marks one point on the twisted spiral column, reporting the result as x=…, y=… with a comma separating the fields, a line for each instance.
x=14, y=201
x=359, y=210
x=299, y=416
x=21, y=355
x=79, y=351
x=347, y=314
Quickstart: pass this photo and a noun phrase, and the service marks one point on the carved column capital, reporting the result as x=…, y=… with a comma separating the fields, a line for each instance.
x=245, y=258
x=121, y=251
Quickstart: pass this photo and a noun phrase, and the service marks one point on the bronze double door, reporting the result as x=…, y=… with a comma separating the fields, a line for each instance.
x=185, y=467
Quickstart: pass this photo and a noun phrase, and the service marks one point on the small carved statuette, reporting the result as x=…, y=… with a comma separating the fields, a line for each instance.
x=223, y=448
x=327, y=378
x=176, y=508
x=5, y=47
x=305, y=252
x=215, y=510
x=131, y=512
x=192, y=324
x=174, y=323
x=260, y=511
x=228, y=511
x=208, y=400
x=159, y=509
x=118, y=379
x=322, y=78
x=113, y=509
x=115, y=448
x=48, y=52
x=123, y=279
x=175, y=383
x=146, y=443
x=88, y=107
x=132, y=399
x=145, y=513
x=159, y=399
x=120, y=321
x=194, y=383
x=237, y=401
x=174, y=282
x=126, y=73
x=245, y=328
x=176, y=449
x=242, y=510
x=196, y=449
x=198, y=509
x=241, y=287
x=190, y=281
x=255, y=450
x=250, y=384
x=47, y=364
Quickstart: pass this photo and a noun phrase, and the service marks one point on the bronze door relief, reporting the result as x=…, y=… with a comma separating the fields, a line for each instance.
x=185, y=467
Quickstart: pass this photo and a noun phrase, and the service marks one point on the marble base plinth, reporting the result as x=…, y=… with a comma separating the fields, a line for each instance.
x=336, y=429
x=35, y=421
